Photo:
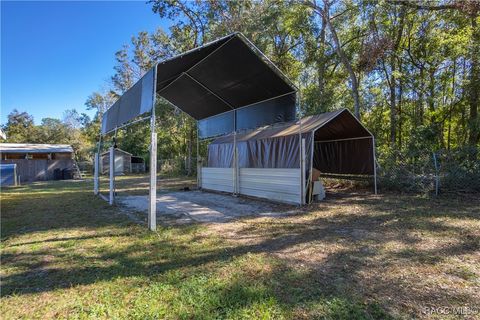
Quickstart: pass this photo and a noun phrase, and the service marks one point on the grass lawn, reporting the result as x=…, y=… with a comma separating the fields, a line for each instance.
x=66, y=254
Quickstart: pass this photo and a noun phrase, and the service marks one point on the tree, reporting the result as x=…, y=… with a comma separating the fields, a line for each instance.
x=20, y=127
x=410, y=69
x=324, y=12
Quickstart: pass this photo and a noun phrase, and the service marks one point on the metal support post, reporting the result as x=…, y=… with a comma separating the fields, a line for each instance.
x=235, y=165
x=302, y=172
x=152, y=208
x=199, y=163
x=374, y=166
x=95, y=174
x=112, y=175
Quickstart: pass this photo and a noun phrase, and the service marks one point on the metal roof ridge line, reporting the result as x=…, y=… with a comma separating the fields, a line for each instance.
x=196, y=48
x=332, y=115
x=177, y=56
x=270, y=62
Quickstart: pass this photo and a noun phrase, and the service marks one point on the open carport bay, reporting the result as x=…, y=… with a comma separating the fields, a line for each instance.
x=200, y=206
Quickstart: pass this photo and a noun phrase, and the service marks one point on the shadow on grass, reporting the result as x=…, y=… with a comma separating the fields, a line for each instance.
x=68, y=204
x=336, y=281
x=202, y=292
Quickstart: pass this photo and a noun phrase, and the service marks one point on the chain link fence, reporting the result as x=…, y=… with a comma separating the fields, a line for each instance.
x=459, y=170
x=444, y=171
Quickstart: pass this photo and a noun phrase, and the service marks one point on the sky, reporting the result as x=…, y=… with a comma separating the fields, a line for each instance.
x=55, y=54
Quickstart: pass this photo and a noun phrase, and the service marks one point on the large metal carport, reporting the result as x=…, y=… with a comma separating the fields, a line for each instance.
x=227, y=86
x=238, y=96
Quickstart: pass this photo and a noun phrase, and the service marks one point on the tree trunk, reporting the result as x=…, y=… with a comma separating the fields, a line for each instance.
x=343, y=58
x=400, y=101
x=393, y=104
x=321, y=64
x=474, y=83
x=419, y=115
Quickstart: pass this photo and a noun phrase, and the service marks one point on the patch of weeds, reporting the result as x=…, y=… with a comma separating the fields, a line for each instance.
x=463, y=272
x=67, y=244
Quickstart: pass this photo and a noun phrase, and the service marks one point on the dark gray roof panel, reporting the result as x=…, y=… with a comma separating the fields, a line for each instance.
x=223, y=75
x=174, y=67
x=239, y=75
x=135, y=101
x=193, y=98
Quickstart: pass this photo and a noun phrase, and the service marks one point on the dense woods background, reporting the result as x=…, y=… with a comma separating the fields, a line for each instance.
x=409, y=70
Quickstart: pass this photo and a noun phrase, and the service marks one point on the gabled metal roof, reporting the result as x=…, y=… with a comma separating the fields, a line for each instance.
x=224, y=75
x=117, y=150
x=34, y=148
x=339, y=124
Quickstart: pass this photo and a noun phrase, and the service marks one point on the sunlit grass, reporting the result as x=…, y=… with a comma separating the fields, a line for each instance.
x=67, y=254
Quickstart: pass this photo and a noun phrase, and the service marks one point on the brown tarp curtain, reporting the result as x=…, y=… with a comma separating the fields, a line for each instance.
x=281, y=152
x=344, y=157
x=278, y=146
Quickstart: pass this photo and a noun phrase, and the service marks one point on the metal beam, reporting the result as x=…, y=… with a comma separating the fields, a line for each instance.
x=95, y=174
x=152, y=208
x=302, y=172
x=206, y=88
x=112, y=176
x=235, y=162
x=374, y=165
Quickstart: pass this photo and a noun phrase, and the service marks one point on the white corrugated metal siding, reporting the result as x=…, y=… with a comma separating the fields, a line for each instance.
x=281, y=185
x=218, y=179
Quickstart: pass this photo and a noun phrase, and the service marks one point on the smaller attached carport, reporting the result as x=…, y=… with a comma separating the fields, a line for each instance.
x=269, y=162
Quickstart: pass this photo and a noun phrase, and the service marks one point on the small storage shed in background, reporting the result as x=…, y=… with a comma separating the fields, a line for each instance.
x=123, y=162
x=8, y=174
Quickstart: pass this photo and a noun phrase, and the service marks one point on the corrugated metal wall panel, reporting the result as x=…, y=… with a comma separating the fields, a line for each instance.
x=281, y=185
x=218, y=179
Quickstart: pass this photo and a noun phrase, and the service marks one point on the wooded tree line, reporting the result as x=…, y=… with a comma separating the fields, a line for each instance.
x=409, y=70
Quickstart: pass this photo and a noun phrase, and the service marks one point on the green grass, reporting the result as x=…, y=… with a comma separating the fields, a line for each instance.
x=67, y=254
